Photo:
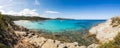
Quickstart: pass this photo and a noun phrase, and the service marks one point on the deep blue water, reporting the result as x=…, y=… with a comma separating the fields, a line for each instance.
x=59, y=25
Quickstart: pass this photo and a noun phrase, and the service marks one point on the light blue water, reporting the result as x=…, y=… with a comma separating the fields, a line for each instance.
x=59, y=25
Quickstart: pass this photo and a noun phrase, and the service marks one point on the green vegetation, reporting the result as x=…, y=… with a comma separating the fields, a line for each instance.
x=32, y=18
x=112, y=44
x=2, y=28
x=3, y=46
x=2, y=24
x=7, y=37
x=63, y=19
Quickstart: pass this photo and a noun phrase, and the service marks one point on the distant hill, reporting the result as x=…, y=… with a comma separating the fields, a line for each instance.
x=63, y=19
x=34, y=18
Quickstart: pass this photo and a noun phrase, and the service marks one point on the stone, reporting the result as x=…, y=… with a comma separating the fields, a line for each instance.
x=82, y=47
x=93, y=46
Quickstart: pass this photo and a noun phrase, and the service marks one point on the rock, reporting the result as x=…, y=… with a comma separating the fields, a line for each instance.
x=105, y=32
x=50, y=44
x=41, y=42
x=82, y=47
x=62, y=46
x=18, y=33
x=93, y=46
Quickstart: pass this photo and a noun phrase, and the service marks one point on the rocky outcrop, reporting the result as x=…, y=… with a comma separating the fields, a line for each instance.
x=93, y=46
x=106, y=31
x=35, y=41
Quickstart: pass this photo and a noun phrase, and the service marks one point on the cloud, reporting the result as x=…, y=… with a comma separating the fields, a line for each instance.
x=24, y=12
x=1, y=7
x=10, y=0
x=2, y=11
x=52, y=12
x=10, y=12
x=28, y=12
x=37, y=2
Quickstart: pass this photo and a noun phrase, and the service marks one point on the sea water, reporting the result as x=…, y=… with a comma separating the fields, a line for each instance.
x=63, y=30
x=59, y=25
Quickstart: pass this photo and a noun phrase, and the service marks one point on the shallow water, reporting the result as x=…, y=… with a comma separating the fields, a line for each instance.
x=63, y=30
x=59, y=25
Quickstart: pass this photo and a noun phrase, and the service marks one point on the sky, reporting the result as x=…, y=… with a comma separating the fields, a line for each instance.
x=75, y=9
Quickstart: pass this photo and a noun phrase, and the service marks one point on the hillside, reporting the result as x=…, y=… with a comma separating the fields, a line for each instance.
x=7, y=36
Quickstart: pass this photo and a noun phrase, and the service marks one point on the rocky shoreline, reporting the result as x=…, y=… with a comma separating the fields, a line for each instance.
x=32, y=40
x=106, y=31
x=19, y=37
x=69, y=36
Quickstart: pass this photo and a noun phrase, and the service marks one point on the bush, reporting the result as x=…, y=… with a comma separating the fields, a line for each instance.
x=2, y=22
x=3, y=46
x=108, y=45
x=115, y=21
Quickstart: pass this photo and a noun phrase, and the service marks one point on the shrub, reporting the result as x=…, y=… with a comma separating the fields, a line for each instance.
x=107, y=45
x=115, y=21
x=3, y=46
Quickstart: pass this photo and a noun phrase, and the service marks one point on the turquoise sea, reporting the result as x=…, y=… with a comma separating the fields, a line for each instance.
x=59, y=25
x=63, y=30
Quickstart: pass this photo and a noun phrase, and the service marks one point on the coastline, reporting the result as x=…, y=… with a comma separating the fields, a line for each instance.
x=80, y=36
x=20, y=37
